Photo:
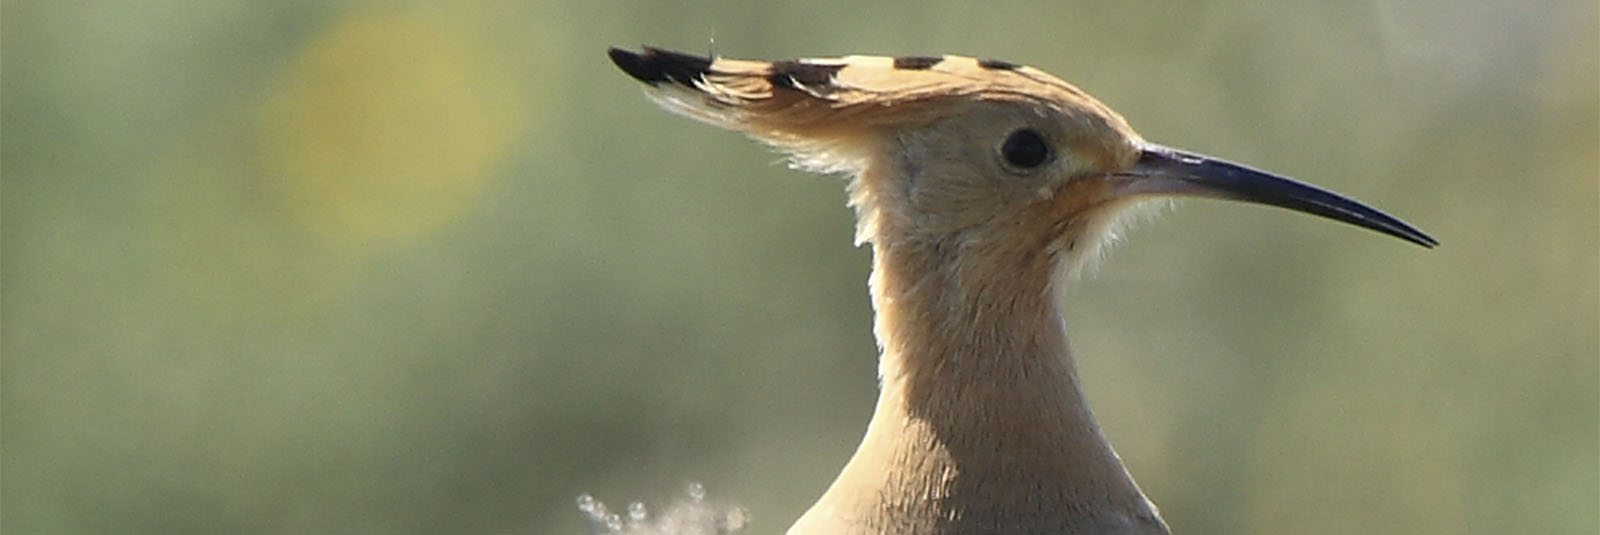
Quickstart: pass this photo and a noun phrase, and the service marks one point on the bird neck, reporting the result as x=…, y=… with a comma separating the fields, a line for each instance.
x=972, y=349
x=981, y=425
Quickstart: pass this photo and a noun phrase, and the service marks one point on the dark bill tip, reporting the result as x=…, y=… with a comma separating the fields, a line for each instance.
x=1164, y=170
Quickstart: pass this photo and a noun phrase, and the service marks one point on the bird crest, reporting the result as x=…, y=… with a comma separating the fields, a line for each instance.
x=794, y=101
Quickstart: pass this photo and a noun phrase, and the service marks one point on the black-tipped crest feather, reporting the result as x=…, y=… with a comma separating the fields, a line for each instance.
x=793, y=74
x=654, y=66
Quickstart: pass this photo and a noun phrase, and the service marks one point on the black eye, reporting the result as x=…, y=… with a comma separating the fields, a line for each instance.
x=1025, y=149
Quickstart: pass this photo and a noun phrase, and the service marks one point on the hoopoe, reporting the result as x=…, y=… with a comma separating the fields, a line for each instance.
x=980, y=185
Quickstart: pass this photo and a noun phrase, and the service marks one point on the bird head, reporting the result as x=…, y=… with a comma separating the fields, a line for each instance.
x=957, y=154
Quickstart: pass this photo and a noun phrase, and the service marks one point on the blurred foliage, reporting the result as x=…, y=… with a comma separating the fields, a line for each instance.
x=327, y=267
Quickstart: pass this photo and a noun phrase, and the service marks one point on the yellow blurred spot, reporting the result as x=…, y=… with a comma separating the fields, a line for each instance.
x=387, y=126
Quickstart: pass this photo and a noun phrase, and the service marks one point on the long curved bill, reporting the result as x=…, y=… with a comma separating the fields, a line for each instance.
x=1168, y=171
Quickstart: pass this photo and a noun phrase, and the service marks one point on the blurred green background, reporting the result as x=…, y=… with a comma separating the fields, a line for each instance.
x=338, y=267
